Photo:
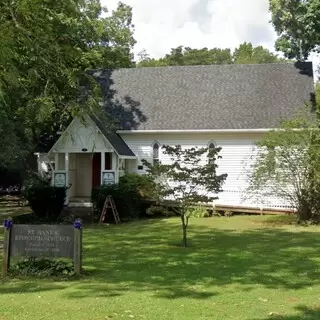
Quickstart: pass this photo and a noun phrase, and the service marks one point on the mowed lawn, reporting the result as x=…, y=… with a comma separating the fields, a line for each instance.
x=243, y=267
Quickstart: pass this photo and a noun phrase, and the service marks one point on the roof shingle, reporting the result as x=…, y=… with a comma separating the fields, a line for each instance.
x=206, y=97
x=114, y=139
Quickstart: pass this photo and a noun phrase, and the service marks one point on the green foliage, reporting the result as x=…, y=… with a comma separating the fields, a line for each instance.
x=288, y=166
x=186, y=181
x=47, y=47
x=42, y=268
x=216, y=213
x=46, y=201
x=317, y=93
x=11, y=153
x=186, y=56
x=228, y=213
x=297, y=25
x=248, y=54
x=197, y=212
x=132, y=196
x=158, y=211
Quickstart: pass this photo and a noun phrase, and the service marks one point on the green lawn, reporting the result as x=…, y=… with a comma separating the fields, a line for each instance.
x=249, y=268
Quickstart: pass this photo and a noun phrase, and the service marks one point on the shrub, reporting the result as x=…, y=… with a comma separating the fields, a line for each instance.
x=10, y=181
x=198, y=212
x=228, y=213
x=157, y=211
x=45, y=200
x=42, y=267
x=133, y=195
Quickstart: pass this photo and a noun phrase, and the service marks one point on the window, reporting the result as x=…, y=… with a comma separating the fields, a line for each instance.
x=155, y=154
x=108, y=161
x=61, y=161
x=211, y=153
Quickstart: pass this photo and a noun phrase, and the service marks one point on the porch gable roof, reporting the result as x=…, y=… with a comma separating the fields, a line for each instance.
x=119, y=145
x=114, y=140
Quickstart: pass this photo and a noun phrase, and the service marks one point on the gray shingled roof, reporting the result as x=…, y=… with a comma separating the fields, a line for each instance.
x=115, y=140
x=206, y=97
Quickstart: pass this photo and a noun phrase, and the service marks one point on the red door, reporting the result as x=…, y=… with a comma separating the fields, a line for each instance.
x=96, y=169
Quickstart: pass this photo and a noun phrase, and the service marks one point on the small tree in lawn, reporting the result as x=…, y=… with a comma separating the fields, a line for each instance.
x=186, y=180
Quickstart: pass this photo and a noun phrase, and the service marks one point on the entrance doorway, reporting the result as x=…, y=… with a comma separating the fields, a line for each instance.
x=84, y=174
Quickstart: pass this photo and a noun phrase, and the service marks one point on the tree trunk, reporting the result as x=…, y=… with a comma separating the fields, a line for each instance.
x=184, y=231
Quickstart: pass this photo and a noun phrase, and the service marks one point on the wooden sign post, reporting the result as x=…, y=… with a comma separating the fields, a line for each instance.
x=51, y=241
x=6, y=247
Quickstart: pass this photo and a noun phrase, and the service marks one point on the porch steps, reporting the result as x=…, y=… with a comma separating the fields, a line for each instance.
x=79, y=208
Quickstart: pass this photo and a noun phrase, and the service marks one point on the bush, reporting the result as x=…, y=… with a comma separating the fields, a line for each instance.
x=133, y=195
x=45, y=200
x=198, y=212
x=42, y=267
x=228, y=213
x=157, y=211
x=10, y=181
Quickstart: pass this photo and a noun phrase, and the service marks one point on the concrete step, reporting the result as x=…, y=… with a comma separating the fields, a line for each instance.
x=84, y=213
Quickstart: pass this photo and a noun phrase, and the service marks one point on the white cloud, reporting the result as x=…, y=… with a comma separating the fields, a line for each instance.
x=163, y=24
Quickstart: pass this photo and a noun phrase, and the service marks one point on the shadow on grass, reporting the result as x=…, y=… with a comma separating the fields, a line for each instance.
x=305, y=313
x=28, y=287
x=143, y=256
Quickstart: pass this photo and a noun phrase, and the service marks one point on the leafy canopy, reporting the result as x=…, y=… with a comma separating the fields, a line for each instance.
x=246, y=53
x=297, y=23
x=46, y=49
x=288, y=166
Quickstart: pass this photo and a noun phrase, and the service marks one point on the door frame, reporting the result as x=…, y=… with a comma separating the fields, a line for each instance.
x=87, y=176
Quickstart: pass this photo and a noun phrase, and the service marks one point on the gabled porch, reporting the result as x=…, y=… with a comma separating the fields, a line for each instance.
x=87, y=155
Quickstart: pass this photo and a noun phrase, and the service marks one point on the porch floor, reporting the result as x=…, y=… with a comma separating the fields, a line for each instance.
x=80, y=202
x=80, y=199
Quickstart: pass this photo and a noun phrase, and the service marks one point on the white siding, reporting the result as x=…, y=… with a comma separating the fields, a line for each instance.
x=238, y=154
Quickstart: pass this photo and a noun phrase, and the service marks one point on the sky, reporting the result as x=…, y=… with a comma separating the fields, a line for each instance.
x=164, y=24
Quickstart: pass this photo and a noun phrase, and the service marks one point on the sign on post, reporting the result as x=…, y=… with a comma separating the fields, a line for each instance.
x=51, y=241
x=60, y=179
x=108, y=177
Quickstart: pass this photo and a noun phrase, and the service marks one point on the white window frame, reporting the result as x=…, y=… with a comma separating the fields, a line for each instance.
x=209, y=147
x=156, y=159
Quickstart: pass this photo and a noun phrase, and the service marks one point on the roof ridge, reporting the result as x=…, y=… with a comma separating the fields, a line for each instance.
x=210, y=65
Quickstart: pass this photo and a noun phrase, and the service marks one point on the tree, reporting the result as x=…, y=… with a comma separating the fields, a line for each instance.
x=11, y=152
x=317, y=96
x=186, y=56
x=145, y=60
x=46, y=49
x=297, y=23
x=248, y=54
x=186, y=180
x=288, y=166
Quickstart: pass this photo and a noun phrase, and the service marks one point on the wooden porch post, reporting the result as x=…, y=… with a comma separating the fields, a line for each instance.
x=56, y=161
x=66, y=163
x=66, y=155
x=56, y=166
x=103, y=160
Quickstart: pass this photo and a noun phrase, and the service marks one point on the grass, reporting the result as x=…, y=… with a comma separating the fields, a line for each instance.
x=243, y=267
